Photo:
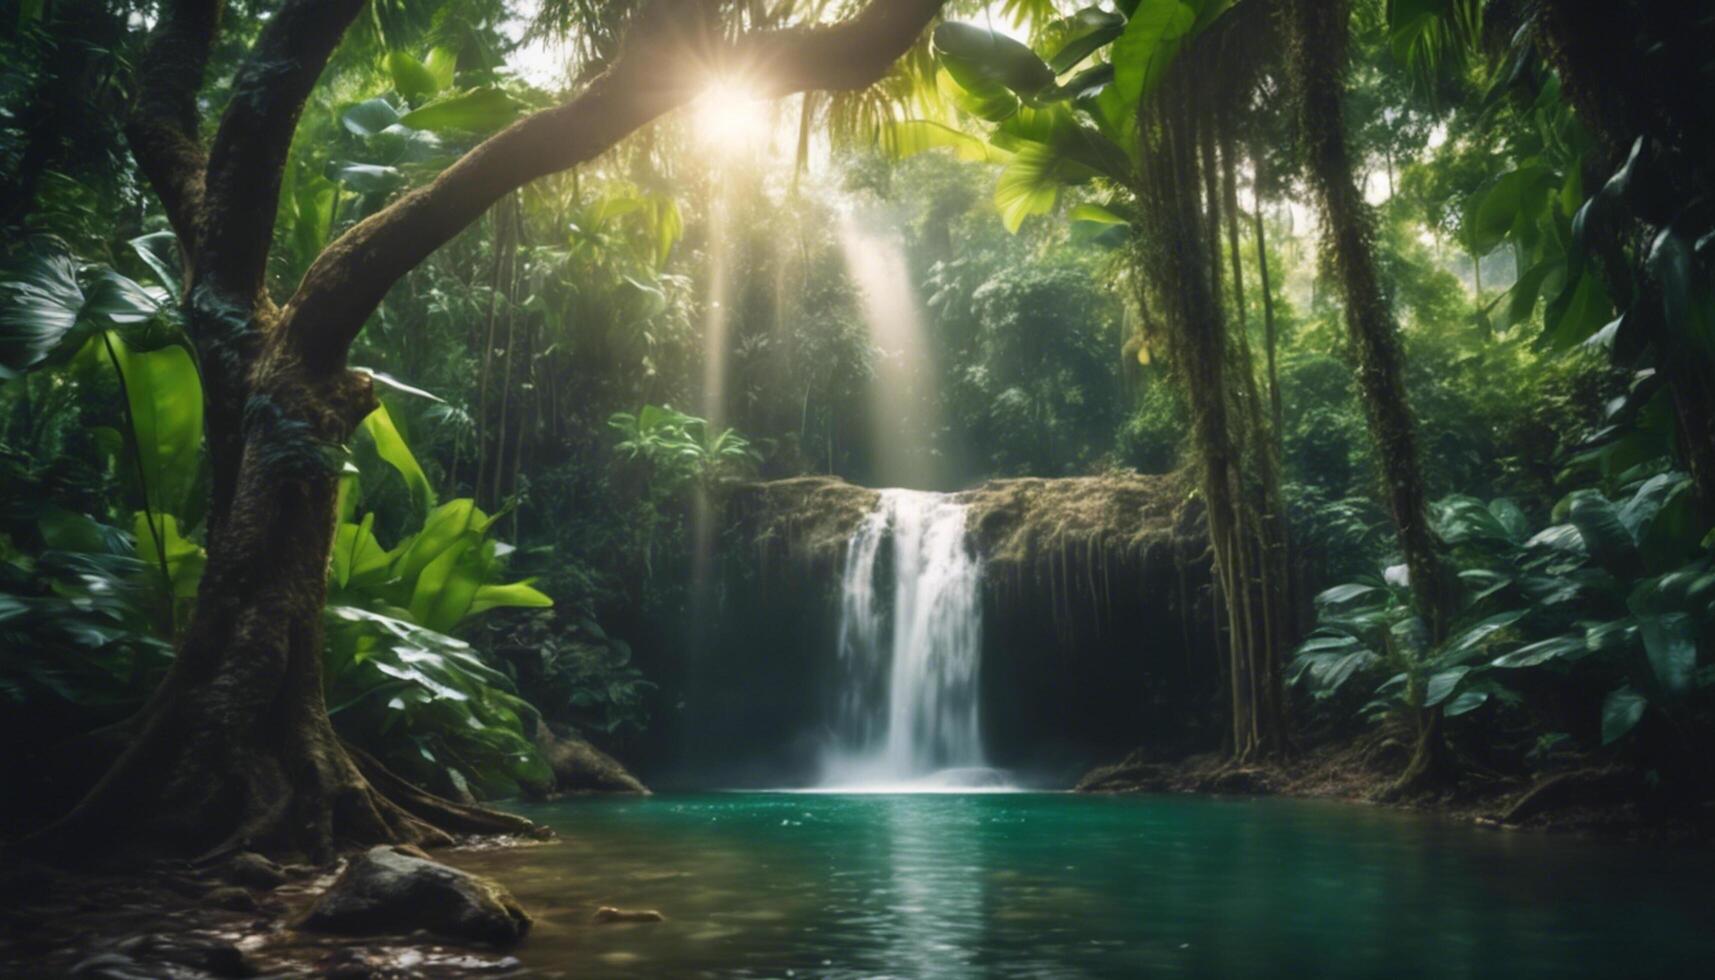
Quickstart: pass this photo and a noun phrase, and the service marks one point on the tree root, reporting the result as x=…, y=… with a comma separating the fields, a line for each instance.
x=441, y=813
x=164, y=798
x=1581, y=787
x=1430, y=769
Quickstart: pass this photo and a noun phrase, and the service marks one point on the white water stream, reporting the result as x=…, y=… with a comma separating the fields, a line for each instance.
x=910, y=649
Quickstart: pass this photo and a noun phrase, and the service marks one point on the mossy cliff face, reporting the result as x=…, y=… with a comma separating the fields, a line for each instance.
x=1096, y=622
x=806, y=520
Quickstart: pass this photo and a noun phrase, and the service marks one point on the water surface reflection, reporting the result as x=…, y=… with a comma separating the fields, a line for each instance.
x=1030, y=885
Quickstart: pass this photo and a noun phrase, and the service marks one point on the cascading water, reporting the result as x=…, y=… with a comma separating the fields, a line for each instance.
x=910, y=648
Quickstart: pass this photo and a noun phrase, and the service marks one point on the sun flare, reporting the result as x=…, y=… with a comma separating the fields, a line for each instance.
x=730, y=118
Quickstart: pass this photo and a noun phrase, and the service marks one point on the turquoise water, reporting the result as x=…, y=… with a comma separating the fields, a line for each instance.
x=1055, y=885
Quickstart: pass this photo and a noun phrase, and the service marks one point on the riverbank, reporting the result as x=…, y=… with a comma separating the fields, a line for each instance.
x=175, y=921
x=1582, y=796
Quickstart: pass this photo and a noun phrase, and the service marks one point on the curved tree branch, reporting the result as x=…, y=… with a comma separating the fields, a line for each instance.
x=248, y=155
x=162, y=128
x=667, y=61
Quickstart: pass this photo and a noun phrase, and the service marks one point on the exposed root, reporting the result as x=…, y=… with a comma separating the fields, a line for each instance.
x=1581, y=787
x=443, y=814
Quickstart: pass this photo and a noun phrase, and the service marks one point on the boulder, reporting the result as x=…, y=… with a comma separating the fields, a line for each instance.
x=580, y=767
x=385, y=891
x=231, y=898
x=253, y=871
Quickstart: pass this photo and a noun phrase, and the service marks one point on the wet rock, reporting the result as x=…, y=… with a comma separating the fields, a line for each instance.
x=231, y=898
x=358, y=963
x=352, y=964
x=384, y=891
x=607, y=914
x=117, y=966
x=166, y=958
x=254, y=871
x=580, y=767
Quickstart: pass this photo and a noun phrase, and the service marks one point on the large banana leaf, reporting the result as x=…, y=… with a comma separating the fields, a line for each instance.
x=160, y=544
x=164, y=393
x=392, y=447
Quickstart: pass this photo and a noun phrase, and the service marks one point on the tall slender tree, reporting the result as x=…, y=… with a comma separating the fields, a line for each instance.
x=1320, y=35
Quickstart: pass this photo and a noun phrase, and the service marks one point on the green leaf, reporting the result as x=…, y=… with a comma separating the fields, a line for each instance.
x=370, y=117
x=160, y=252
x=1605, y=536
x=1581, y=309
x=1460, y=519
x=411, y=78
x=391, y=446
x=1152, y=39
x=442, y=529
x=912, y=136
x=1522, y=297
x=46, y=314
x=1339, y=595
x=1442, y=685
x=160, y=543
x=1512, y=202
x=367, y=178
x=1670, y=641
x=1543, y=651
x=446, y=585
x=312, y=217
x=1466, y=702
x=1469, y=639
x=358, y=558
x=977, y=96
x=1029, y=185
x=40, y=301
x=388, y=381
x=1684, y=293
x=1097, y=214
x=976, y=54
x=1621, y=711
x=517, y=594
x=481, y=110
x=441, y=63
x=1511, y=517
x=1081, y=34
x=164, y=393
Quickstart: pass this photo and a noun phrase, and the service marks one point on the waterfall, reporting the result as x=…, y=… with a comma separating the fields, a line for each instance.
x=909, y=648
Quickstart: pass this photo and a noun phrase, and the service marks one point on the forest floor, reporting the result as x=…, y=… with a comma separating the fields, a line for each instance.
x=1582, y=796
x=175, y=922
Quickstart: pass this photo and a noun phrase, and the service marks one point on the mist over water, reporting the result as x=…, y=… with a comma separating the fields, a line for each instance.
x=910, y=646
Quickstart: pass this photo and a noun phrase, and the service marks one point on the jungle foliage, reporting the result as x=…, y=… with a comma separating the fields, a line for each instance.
x=1105, y=215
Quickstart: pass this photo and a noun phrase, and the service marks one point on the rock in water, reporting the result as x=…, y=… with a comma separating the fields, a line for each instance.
x=580, y=767
x=607, y=914
x=254, y=871
x=384, y=891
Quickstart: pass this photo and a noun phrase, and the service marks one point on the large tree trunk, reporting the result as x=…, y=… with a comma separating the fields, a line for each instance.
x=236, y=749
x=1320, y=34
